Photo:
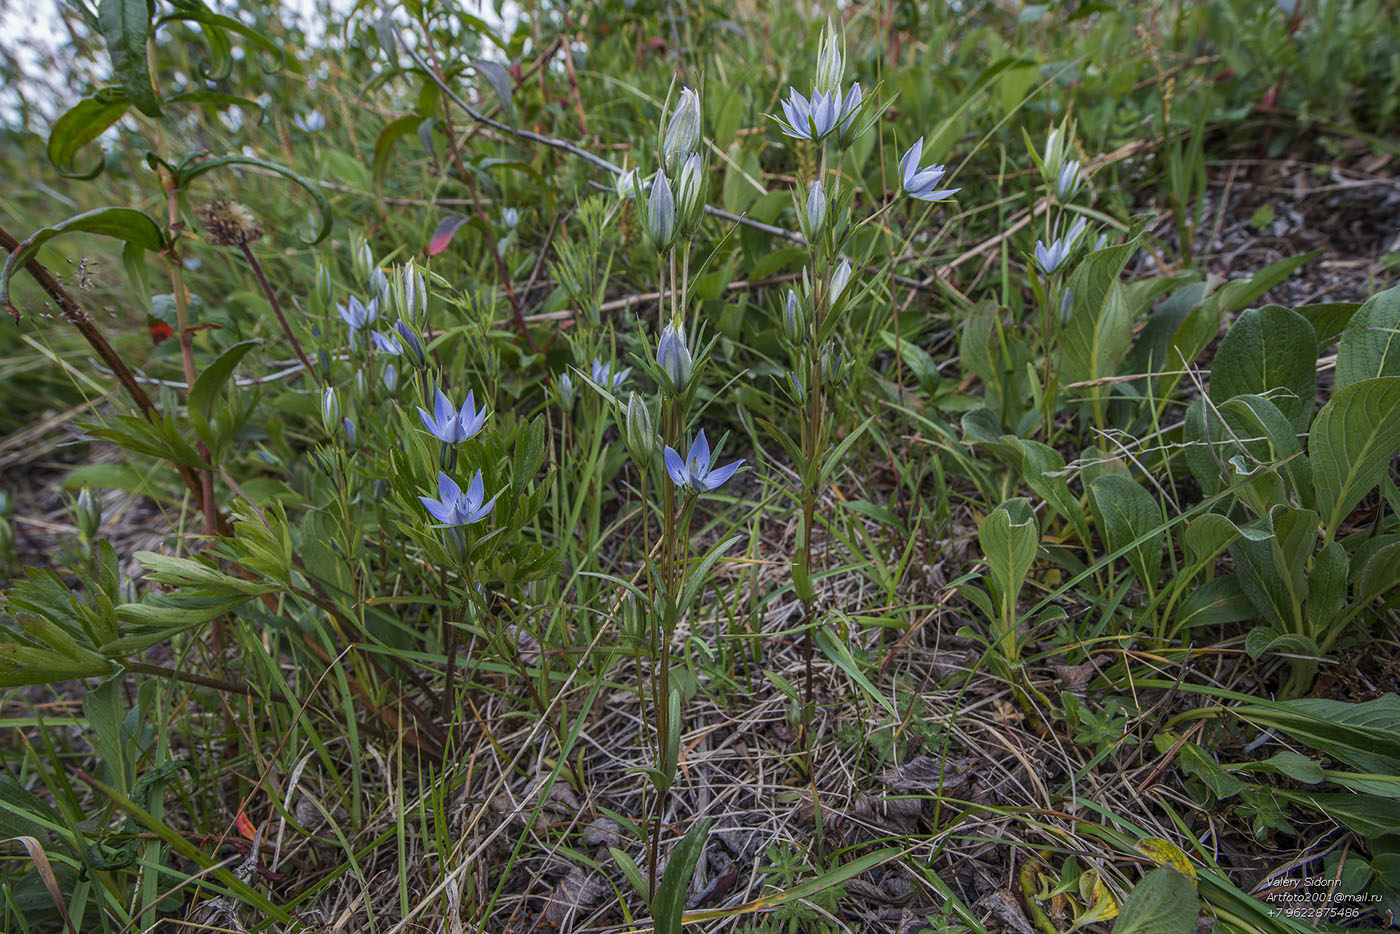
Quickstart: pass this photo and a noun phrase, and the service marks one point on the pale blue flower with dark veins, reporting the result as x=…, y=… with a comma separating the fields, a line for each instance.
x=451, y=425
x=454, y=507
x=1053, y=257
x=811, y=119
x=922, y=183
x=359, y=314
x=386, y=343
x=694, y=472
x=603, y=375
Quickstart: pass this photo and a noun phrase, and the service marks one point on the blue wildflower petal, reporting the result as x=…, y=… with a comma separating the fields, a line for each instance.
x=440, y=512
x=700, y=453
x=720, y=475
x=674, y=466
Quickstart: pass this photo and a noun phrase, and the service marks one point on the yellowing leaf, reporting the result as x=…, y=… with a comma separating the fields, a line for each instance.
x=1165, y=853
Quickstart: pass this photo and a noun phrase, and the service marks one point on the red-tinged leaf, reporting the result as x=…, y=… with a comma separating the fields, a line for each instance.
x=245, y=826
x=446, y=230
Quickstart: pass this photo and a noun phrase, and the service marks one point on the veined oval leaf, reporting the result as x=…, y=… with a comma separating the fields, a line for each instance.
x=1370, y=345
x=1353, y=440
x=1271, y=352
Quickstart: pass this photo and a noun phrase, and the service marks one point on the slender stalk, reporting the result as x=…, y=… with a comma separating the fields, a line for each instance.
x=276, y=307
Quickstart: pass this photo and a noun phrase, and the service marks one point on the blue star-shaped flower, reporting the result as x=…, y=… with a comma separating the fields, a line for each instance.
x=454, y=507
x=450, y=424
x=694, y=472
x=922, y=183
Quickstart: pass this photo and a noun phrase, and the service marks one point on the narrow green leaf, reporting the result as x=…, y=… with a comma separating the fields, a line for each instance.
x=680, y=867
x=842, y=658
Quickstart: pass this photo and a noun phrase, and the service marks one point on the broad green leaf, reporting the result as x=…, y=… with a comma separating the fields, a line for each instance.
x=1270, y=352
x=1273, y=570
x=1302, y=651
x=1327, y=586
x=1100, y=327
x=1380, y=573
x=1125, y=512
x=1370, y=816
x=680, y=867
x=1353, y=440
x=1009, y=537
x=125, y=25
x=1151, y=352
x=126, y=224
x=1329, y=320
x=1370, y=345
x=1365, y=736
x=1164, y=902
x=1293, y=764
x=1043, y=468
x=84, y=122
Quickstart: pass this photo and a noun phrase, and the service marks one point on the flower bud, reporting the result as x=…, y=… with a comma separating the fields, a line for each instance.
x=510, y=217
x=674, y=357
x=816, y=210
x=349, y=427
x=410, y=294
x=661, y=214
x=690, y=188
x=391, y=377
x=795, y=388
x=794, y=321
x=325, y=288
x=362, y=258
x=834, y=365
x=682, y=131
x=831, y=61
x=641, y=437
x=412, y=344
x=87, y=514
x=1067, y=181
x=565, y=386
x=839, y=278
x=330, y=410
